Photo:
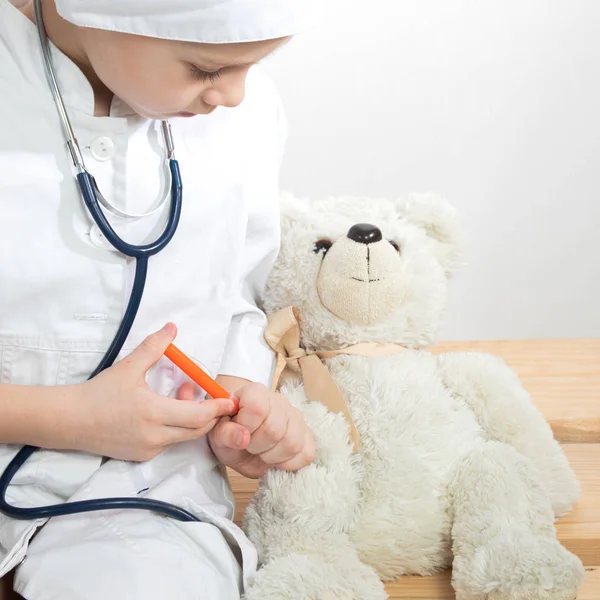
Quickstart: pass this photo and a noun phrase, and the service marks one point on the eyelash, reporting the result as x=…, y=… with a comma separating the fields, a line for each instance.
x=205, y=75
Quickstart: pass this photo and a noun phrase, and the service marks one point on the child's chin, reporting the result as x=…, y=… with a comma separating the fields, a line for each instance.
x=152, y=116
x=160, y=115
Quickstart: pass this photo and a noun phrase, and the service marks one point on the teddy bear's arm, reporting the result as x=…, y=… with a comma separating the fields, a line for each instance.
x=300, y=521
x=505, y=411
x=308, y=504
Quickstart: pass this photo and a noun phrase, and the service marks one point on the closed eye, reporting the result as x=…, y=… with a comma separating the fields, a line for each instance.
x=200, y=75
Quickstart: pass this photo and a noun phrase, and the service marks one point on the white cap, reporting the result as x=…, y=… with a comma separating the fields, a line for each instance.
x=209, y=21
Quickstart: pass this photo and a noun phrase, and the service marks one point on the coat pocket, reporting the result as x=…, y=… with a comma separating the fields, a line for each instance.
x=37, y=364
x=47, y=476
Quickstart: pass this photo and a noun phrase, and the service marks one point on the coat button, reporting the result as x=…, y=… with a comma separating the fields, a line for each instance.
x=102, y=148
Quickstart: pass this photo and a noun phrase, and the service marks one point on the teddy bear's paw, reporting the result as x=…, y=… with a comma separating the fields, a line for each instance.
x=521, y=567
x=316, y=577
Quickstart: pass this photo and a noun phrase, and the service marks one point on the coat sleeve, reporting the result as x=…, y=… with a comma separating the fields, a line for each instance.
x=247, y=355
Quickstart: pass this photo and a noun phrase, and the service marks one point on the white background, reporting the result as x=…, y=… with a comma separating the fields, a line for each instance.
x=492, y=103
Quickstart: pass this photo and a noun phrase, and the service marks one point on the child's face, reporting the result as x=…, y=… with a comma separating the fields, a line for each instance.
x=164, y=78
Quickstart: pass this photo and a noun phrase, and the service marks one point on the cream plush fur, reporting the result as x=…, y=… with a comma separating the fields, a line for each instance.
x=456, y=467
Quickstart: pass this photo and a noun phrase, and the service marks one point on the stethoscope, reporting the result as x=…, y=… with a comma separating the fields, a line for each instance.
x=93, y=199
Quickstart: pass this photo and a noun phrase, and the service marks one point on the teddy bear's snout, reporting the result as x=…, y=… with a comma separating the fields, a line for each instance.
x=360, y=278
x=365, y=233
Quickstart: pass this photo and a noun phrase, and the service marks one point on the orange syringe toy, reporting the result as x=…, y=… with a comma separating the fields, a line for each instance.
x=197, y=375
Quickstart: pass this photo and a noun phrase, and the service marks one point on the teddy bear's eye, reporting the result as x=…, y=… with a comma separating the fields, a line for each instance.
x=322, y=246
x=395, y=245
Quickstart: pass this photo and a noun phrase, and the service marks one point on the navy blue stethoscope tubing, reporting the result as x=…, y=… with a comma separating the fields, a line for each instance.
x=89, y=192
x=141, y=254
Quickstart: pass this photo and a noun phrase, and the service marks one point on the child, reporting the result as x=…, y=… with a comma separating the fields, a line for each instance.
x=122, y=66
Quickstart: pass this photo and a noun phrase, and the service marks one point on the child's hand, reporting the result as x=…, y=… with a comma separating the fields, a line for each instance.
x=267, y=432
x=117, y=415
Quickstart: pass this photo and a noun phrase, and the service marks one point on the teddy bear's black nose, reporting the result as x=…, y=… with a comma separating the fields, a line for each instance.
x=365, y=233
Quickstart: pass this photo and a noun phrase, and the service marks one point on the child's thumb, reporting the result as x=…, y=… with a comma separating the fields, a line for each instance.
x=229, y=435
x=150, y=351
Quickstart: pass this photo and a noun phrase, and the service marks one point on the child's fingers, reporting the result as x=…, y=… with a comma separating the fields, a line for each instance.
x=186, y=391
x=176, y=435
x=192, y=415
x=298, y=462
x=275, y=432
x=254, y=406
x=151, y=350
x=303, y=458
x=230, y=435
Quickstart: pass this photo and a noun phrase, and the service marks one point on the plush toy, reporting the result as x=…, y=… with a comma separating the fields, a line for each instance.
x=423, y=461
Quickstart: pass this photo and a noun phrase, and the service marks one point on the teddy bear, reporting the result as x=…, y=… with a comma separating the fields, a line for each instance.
x=424, y=461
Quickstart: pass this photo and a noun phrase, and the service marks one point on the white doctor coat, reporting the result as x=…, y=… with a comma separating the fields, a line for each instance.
x=62, y=295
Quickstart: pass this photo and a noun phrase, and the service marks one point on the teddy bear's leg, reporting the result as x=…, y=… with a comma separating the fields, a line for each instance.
x=299, y=523
x=507, y=414
x=503, y=535
x=330, y=571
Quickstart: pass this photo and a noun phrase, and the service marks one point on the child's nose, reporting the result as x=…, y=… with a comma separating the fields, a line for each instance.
x=229, y=92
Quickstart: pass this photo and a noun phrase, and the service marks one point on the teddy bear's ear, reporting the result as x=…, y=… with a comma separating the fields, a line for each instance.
x=291, y=206
x=438, y=219
x=291, y=209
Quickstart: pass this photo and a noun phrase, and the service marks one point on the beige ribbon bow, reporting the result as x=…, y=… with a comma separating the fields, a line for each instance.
x=283, y=336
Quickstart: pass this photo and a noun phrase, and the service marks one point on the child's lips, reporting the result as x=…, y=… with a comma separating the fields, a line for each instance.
x=187, y=114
